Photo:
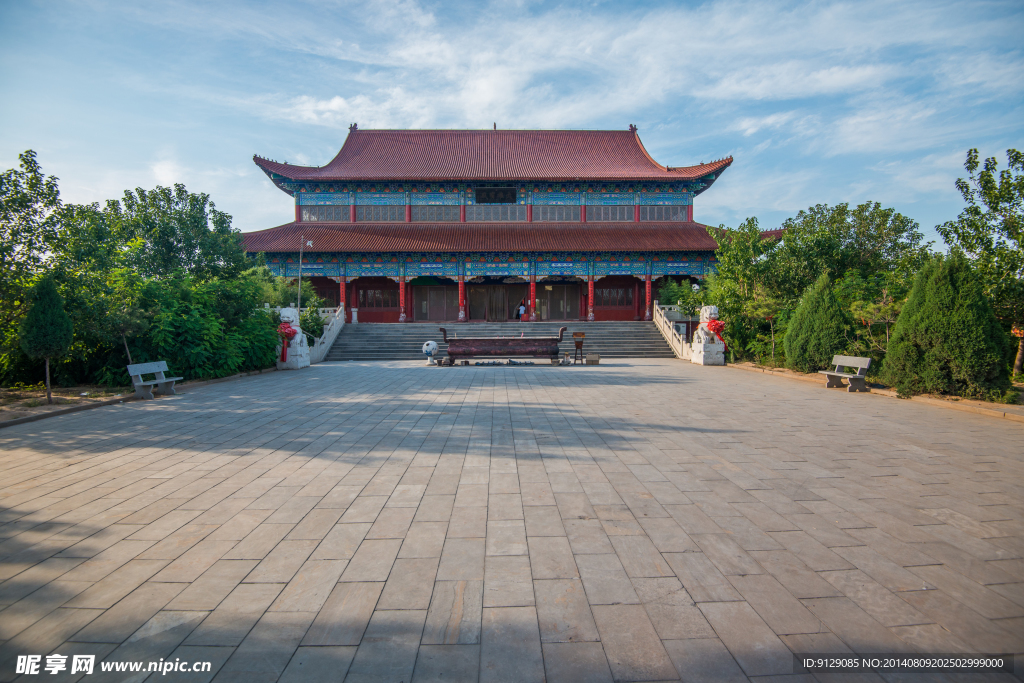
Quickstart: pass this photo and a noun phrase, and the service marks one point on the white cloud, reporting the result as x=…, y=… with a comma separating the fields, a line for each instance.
x=870, y=86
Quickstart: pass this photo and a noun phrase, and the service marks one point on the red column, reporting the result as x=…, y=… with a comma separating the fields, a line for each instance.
x=298, y=213
x=636, y=213
x=401, y=299
x=462, y=213
x=462, y=298
x=636, y=301
x=529, y=213
x=583, y=213
x=533, y=298
x=689, y=213
x=647, y=304
x=590, y=298
x=352, y=213
x=408, y=213
x=341, y=294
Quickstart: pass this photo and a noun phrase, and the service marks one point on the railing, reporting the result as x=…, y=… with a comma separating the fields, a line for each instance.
x=335, y=321
x=679, y=346
x=324, y=312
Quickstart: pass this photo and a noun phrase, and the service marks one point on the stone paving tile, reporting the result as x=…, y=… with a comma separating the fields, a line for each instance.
x=446, y=663
x=751, y=641
x=510, y=645
x=455, y=613
x=124, y=618
x=576, y=663
x=634, y=651
x=646, y=520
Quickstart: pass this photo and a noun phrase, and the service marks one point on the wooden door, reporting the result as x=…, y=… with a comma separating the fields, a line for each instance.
x=477, y=296
x=497, y=304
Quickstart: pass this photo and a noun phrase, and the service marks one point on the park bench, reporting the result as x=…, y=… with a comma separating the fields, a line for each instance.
x=144, y=388
x=837, y=373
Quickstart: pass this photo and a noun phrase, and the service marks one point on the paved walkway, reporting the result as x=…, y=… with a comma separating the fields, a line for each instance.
x=643, y=521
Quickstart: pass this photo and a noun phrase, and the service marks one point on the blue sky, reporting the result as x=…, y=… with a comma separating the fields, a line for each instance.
x=819, y=102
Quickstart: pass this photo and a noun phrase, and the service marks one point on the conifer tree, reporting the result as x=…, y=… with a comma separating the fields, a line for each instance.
x=819, y=329
x=46, y=330
x=947, y=339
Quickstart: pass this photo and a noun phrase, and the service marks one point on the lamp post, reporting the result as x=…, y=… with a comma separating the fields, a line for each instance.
x=302, y=243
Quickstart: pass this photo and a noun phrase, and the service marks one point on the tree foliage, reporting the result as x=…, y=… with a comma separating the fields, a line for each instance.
x=170, y=230
x=46, y=330
x=870, y=252
x=990, y=232
x=159, y=275
x=947, y=339
x=818, y=330
x=28, y=203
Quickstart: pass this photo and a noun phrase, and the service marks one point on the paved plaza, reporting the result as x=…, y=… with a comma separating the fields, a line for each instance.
x=633, y=521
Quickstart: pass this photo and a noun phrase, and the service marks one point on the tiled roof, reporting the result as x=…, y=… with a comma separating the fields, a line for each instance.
x=439, y=155
x=471, y=237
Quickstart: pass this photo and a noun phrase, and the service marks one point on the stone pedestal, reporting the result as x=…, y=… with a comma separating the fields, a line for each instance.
x=298, y=349
x=707, y=348
x=707, y=353
x=298, y=354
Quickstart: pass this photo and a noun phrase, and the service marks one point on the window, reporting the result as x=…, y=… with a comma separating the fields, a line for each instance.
x=381, y=214
x=663, y=213
x=496, y=195
x=610, y=213
x=556, y=213
x=378, y=298
x=335, y=214
x=436, y=214
x=502, y=212
x=618, y=296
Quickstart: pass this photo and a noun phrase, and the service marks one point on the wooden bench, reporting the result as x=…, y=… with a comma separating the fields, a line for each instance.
x=144, y=388
x=836, y=374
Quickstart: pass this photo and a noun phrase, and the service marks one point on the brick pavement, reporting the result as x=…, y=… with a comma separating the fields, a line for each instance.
x=634, y=521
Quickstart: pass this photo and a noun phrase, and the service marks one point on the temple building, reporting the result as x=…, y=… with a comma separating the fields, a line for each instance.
x=467, y=225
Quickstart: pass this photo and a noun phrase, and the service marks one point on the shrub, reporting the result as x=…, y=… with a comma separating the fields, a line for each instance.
x=947, y=339
x=819, y=329
x=310, y=320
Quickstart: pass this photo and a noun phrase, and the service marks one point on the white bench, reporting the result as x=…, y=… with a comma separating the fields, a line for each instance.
x=144, y=388
x=837, y=373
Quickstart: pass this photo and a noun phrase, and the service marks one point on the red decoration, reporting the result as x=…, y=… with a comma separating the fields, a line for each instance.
x=717, y=326
x=287, y=333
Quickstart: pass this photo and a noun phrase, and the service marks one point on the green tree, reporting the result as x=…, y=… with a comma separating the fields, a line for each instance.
x=171, y=230
x=867, y=238
x=770, y=310
x=875, y=305
x=46, y=330
x=28, y=203
x=682, y=294
x=819, y=329
x=744, y=264
x=125, y=315
x=947, y=339
x=990, y=231
x=310, y=320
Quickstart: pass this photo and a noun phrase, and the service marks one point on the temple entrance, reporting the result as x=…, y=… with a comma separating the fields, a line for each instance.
x=487, y=303
x=558, y=301
x=436, y=303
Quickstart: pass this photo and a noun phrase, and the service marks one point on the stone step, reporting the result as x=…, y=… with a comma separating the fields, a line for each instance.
x=403, y=341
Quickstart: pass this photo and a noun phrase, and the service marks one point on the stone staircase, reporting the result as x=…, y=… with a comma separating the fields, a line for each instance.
x=382, y=341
